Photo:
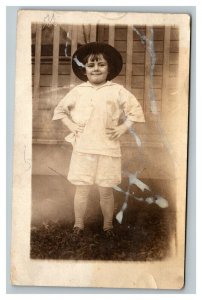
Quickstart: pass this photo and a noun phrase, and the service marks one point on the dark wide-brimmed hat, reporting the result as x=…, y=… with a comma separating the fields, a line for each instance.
x=114, y=59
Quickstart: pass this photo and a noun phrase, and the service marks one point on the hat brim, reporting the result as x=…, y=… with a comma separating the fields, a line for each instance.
x=114, y=56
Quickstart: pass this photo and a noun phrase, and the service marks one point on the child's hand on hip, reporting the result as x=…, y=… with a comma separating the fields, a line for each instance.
x=73, y=127
x=116, y=132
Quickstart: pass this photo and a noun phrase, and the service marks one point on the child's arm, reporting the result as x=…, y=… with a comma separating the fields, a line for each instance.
x=116, y=133
x=73, y=127
x=133, y=113
x=62, y=111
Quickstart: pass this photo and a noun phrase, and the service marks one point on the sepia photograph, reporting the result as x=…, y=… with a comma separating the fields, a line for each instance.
x=104, y=148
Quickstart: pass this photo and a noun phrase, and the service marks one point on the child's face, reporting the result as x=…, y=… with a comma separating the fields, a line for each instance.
x=97, y=69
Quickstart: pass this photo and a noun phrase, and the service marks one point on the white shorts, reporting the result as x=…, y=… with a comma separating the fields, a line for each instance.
x=88, y=169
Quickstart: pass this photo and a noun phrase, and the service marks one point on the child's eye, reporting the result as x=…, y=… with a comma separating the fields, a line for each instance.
x=90, y=65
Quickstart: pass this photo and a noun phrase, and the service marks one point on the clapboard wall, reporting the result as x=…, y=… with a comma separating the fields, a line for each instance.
x=52, y=47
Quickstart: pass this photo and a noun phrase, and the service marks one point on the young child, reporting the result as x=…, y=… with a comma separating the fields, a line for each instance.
x=91, y=111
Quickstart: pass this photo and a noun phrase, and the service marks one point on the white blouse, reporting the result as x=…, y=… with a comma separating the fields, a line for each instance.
x=98, y=108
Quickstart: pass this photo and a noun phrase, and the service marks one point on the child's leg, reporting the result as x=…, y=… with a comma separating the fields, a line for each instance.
x=107, y=206
x=80, y=204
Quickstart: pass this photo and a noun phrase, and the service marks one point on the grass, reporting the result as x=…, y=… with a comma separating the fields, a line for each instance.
x=143, y=236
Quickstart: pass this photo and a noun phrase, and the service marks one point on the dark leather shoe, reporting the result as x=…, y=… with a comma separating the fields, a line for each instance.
x=109, y=234
x=77, y=231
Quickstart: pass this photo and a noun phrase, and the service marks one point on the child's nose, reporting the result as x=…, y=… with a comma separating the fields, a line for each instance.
x=96, y=66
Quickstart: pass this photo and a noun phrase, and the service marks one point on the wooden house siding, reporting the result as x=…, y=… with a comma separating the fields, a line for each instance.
x=53, y=46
